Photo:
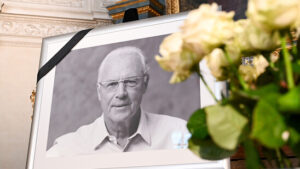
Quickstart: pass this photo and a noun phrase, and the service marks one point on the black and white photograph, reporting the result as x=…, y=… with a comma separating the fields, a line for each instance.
x=115, y=98
x=109, y=104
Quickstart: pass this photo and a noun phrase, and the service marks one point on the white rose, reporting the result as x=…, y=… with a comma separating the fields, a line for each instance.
x=234, y=52
x=207, y=28
x=261, y=40
x=248, y=73
x=176, y=58
x=217, y=63
x=274, y=56
x=240, y=36
x=178, y=77
x=251, y=72
x=170, y=49
x=252, y=39
x=260, y=63
x=273, y=14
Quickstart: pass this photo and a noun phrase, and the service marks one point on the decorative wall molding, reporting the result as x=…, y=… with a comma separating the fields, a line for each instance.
x=15, y=41
x=42, y=27
x=66, y=3
x=79, y=9
x=26, y=22
x=26, y=29
x=106, y=3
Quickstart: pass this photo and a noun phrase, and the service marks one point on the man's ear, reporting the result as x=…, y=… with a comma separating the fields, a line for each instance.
x=146, y=80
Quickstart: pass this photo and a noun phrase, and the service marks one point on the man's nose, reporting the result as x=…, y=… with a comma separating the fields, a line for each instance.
x=121, y=91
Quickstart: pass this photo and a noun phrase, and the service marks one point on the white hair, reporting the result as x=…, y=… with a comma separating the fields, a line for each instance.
x=127, y=50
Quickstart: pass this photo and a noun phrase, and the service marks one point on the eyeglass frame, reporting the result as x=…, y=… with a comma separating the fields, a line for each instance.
x=122, y=80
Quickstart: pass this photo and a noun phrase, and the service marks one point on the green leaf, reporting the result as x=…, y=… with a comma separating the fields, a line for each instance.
x=197, y=124
x=272, y=99
x=296, y=67
x=225, y=125
x=268, y=125
x=265, y=89
x=261, y=92
x=298, y=47
x=207, y=149
x=252, y=157
x=258, y=93
x=294, y=136
x=290, y=101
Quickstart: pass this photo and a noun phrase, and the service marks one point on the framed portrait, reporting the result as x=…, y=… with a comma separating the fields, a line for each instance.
x=108, y=104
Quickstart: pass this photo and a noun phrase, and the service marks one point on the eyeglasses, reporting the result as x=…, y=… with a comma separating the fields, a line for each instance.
x=113, y=85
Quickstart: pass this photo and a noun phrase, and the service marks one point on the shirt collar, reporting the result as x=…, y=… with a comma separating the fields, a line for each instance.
x=101, y=132
x=143, y=129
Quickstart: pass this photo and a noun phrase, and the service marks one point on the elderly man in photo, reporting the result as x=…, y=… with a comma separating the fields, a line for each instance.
x=124, y=126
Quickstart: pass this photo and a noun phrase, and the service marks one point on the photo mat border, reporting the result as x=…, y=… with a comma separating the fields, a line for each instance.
x=157, y=26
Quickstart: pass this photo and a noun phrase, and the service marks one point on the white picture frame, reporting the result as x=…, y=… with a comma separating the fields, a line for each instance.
x=165, y=159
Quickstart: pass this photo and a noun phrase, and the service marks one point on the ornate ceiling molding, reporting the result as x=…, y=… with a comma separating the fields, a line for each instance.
x=43, y=27
x=26, y=29
x=65, y=3
x=79, y=9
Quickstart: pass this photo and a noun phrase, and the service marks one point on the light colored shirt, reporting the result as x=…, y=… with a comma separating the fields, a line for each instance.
x=154, y=131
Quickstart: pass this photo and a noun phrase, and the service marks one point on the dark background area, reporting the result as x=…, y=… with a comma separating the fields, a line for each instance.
x=238, y=6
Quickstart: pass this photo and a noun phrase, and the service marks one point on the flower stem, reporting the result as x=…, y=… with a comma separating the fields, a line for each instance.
x=287, y=63
x=208, y=88
x=241, y=80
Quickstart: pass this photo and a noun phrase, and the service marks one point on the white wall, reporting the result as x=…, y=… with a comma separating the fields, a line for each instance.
x=18, y=67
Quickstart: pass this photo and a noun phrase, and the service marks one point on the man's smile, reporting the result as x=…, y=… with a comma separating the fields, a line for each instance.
x=121, y=105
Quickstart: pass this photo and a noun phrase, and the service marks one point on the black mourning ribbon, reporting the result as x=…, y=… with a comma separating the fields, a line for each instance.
x=130, y=15
x=61, y=54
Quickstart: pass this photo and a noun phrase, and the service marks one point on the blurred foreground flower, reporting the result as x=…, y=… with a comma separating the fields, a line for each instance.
x=254, y=40
x=273, y=14
x=175, y=58
x=251, y=72
x=218, y=63
x=207, y=28
x=264, y=91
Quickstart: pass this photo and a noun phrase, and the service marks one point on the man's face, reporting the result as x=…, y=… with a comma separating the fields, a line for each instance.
x=122, y=86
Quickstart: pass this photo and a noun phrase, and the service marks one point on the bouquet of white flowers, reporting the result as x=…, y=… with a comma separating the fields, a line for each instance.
x=263, y=107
